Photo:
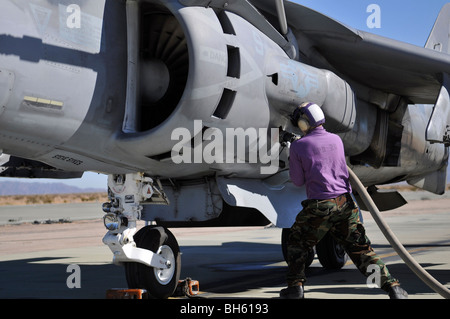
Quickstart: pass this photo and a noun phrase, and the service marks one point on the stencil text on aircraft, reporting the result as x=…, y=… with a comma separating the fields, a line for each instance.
x=301, y=79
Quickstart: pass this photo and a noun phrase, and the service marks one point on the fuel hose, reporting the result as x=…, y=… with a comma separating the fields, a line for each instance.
x=393, y=240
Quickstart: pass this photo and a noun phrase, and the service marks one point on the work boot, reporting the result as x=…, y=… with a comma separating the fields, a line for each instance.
x=397, y=292
x=293, y=292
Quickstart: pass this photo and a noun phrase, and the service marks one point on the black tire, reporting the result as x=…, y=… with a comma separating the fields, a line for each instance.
x=159, y=283
x=284, y=239
x=331, y=255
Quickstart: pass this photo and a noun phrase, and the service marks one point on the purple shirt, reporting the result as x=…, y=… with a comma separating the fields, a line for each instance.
x=317, y=161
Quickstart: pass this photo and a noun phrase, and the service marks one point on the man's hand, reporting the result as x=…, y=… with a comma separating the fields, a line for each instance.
x=286, y=137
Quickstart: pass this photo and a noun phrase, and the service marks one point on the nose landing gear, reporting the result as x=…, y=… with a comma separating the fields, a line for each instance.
x=159, y=282
x=151, y=256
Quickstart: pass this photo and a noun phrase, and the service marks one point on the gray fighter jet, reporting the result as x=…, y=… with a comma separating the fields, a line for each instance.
x=184, y=105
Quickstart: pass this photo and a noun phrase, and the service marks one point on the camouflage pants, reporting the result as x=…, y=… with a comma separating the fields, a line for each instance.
x=340, y=217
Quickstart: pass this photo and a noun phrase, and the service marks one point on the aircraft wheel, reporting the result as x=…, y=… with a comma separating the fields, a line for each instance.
x=331, y=254
x=159, y=283
x=284, y=239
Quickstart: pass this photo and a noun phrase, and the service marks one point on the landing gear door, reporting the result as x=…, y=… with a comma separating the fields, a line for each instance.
x=438, y=129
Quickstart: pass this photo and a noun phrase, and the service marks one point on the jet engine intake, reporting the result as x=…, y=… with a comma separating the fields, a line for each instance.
x=210, y=65
x=164, y=67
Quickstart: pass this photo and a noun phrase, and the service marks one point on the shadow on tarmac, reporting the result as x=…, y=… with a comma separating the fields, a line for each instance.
x=230, y=268
x=43, y=278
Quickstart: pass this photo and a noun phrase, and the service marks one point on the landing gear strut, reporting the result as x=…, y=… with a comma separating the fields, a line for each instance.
x=151, y=256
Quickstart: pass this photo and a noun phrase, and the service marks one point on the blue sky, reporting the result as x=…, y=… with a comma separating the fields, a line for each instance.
x=403, y=20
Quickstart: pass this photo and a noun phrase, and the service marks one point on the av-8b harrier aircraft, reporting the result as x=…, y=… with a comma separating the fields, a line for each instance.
x=184, y=105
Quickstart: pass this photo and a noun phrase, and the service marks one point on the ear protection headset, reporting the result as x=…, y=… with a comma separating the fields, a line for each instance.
x=307, y=116
x=303, y=123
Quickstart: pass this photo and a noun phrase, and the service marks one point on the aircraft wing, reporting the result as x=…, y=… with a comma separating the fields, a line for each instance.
x=380, y=63
x=388, y=65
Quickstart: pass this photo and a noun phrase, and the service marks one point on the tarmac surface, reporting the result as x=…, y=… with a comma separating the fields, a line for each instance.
x=237, y=263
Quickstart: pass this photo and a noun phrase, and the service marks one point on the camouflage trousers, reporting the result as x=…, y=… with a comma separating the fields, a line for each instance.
x=340, y=217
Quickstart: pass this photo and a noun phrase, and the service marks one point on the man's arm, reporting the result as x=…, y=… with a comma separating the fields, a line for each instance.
x=295, y=168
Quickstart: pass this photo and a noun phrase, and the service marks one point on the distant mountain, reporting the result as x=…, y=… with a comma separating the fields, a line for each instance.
x=37, y=188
